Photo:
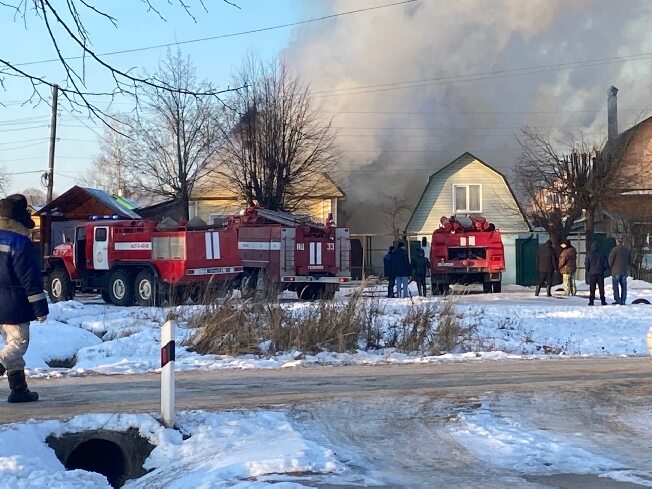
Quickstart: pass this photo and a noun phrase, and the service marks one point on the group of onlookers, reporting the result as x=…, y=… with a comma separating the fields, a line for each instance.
x=596, y=264
x=398, y=269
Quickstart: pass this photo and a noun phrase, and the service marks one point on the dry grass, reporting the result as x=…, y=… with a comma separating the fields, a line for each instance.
x=434, y=328
x=240, y=327
x=324, y=325
x=227, y=329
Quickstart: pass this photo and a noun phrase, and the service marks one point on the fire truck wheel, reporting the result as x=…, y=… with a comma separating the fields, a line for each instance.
x=121, y=288
x=439, y=289
x=497, y=287
x=309, y=292
x=146, y=290
x=248, y=284
x=328, y=293
x=486, y=287
x=60, y=287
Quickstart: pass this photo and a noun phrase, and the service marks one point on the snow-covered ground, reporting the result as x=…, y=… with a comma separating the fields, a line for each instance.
x=115, y=340
x=413, y=442
x=483, y=442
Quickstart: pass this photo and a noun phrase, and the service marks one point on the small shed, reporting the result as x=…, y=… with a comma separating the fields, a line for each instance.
x=59, y=217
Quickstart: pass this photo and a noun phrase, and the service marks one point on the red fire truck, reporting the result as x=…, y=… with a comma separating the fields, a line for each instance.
x=466, y=250
x=138, y=261
x=291, y=252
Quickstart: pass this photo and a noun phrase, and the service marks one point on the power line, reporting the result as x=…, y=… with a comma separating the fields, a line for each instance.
x=452, y=79
x=422, y=151
x=17, y=148
x=444, y=136
x=487, y=112
x=23, y=141
x=224, y=36
x=24, y=172
x=24, y=128
x=462, y=128
x=44, y=158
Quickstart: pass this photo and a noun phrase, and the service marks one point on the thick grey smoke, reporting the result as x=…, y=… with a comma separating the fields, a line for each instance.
x=392, y=139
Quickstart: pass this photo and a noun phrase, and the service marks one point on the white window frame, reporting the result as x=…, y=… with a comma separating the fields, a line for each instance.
x=468, y=200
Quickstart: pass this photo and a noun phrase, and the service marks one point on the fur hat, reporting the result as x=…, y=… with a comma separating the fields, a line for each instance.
x=14, y=207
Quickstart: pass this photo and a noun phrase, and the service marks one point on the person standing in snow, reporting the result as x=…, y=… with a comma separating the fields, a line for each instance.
x=568, y=266
x=401, y=267
x=389, y=272
x=620, y=259
x=596, y=264
x=426, y=247
x=21, y=293
x=420, y=267
x=546, y=266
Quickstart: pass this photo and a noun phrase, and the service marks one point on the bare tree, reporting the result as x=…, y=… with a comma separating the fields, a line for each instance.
x=561, y=184
x=66, y=26
x=5, y=180
x=396, y=212
x=176, y=139
x=277, y=146
x=36, y=197
x=111, y=168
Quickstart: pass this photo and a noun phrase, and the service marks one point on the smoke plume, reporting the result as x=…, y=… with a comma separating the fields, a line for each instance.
x=463, y=93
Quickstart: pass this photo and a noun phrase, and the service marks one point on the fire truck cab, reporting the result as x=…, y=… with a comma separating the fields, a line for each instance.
x=284, y=251
x=466, y=250
x=139, y=261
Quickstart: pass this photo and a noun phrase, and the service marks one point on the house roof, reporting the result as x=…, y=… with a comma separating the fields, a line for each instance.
x=323, y=187
x=82, y=202
x=619, y=149
x=467, y=154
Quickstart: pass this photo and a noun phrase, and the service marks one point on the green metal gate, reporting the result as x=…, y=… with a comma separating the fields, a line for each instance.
x=526, y=261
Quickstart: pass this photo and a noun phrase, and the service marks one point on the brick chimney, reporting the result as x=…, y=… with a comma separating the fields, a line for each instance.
x=612, y=113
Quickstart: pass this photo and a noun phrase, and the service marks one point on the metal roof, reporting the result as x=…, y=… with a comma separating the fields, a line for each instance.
x=83, y=202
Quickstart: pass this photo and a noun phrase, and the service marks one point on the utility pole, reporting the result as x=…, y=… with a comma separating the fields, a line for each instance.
x=53, y=142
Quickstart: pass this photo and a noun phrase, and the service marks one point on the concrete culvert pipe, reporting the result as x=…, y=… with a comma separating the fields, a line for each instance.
x=119, y=456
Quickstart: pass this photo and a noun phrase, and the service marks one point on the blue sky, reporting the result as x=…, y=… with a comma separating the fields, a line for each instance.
x=24, y=130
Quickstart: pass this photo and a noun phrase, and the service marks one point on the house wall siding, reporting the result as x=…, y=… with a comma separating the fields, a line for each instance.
x=318, y=209
x=498, y=204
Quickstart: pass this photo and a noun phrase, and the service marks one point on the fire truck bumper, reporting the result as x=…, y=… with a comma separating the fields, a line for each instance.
x=316, y=280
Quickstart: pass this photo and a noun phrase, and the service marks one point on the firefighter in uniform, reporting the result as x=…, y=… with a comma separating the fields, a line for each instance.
x=21, y=293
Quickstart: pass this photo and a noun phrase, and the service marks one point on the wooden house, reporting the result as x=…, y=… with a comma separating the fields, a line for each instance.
x=468, y=185
x=213, y=199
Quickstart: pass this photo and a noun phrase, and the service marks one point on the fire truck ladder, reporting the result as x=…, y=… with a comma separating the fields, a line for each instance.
x=287, y=219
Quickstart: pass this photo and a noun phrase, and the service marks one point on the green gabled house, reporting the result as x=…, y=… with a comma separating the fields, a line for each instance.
x=468, y=185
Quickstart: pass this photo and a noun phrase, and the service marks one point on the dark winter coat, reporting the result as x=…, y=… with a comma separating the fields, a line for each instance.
x=21, y=285
x=388, y=269
x=400, y=263
x=546, y=259
x=596, y=262
x=620, y=259
x=420, y=265
x=568, y=260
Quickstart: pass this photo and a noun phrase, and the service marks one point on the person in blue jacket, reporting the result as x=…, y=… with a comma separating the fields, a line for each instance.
x=388, y=269
x=21, y=293
x=401, y=268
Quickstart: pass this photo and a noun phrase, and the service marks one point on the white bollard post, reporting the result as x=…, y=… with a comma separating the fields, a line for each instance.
x=167, y=373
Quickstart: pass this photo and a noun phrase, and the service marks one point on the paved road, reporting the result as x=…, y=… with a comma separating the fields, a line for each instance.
x=65, y=397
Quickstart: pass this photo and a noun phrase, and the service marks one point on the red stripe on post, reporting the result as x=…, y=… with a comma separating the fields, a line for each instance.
x=167, y=353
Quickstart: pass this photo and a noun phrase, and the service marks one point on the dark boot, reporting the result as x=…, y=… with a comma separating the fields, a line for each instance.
x=18, y=386
x=536, y=292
